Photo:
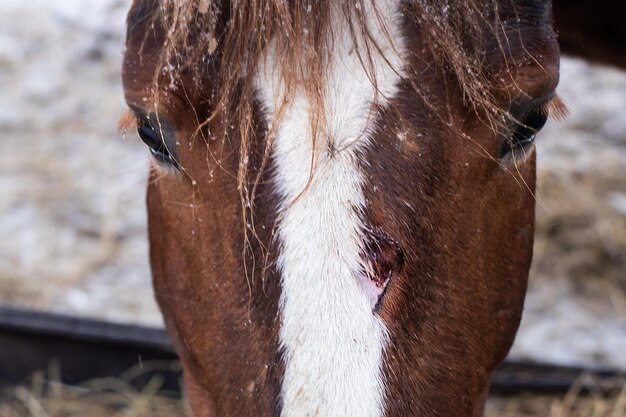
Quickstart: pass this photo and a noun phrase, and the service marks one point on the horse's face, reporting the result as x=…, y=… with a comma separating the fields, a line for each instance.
x=382, y=270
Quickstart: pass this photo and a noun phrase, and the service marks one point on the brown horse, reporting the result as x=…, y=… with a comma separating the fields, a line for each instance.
x=341, y=201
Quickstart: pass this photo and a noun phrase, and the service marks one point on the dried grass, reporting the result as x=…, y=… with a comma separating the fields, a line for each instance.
x=605, y=398
x=116, y=397
x=578, y=226
x=108, y=397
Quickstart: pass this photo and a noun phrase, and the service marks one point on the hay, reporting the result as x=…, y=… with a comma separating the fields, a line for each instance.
x=109, y=397
x=604, y=399
x=118, y=398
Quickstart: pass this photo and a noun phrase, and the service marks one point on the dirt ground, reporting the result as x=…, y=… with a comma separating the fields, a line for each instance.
x=72, y=189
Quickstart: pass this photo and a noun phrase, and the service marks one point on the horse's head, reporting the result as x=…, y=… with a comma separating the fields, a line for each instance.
x=341, y=196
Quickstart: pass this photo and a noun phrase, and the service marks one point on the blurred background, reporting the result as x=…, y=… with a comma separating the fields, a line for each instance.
x=72, y=190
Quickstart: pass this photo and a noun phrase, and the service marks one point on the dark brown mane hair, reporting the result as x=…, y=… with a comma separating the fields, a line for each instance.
x=201, y=32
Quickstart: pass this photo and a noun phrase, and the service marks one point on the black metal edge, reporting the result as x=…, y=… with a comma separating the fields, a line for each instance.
x=96, y=331
x=515, y=376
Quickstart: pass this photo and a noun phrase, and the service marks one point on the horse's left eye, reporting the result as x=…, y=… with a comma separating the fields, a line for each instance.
x=153, y=136
x=522, y=136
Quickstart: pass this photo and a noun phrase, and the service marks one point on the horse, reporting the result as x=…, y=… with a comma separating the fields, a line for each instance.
x=341, y=195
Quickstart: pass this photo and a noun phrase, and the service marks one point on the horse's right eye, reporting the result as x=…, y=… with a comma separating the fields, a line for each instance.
x=150, y=137
x=153, y=136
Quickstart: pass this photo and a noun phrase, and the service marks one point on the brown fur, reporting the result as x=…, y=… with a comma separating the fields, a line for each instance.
x=461, y=219
x=593, y=30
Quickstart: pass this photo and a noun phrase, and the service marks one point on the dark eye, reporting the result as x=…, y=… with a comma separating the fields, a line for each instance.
x=152, y=134
x=522, y=135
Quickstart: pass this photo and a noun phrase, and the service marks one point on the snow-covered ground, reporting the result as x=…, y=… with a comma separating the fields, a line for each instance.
x=72, y=213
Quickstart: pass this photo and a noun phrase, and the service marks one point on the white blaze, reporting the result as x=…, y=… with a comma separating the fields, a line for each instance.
x=333, y=342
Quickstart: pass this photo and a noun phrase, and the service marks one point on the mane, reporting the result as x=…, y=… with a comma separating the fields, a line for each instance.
x=199, y=32
x=231, y=37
